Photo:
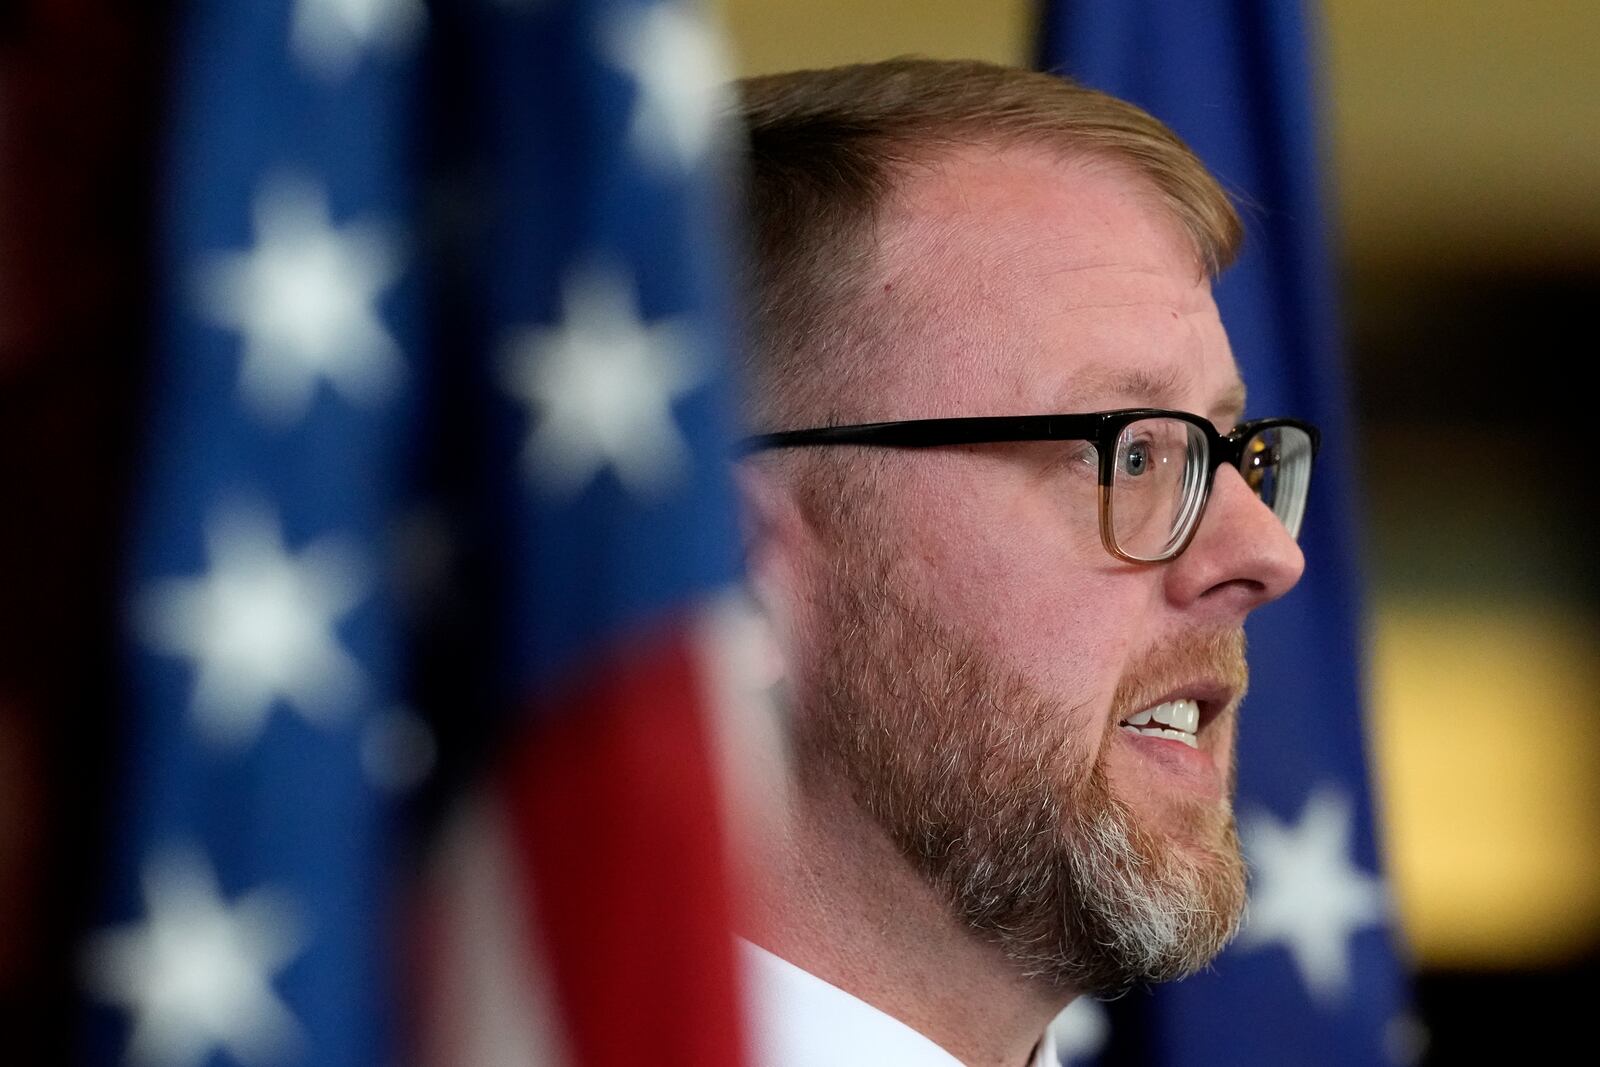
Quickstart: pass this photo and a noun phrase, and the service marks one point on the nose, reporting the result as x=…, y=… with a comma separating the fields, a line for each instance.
x=1241, y=556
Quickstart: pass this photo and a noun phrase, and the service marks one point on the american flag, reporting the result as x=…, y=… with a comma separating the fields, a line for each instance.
x=1315, y=977
x=429, y=585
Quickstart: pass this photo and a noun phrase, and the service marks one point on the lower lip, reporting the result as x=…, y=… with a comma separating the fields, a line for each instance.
x=1192, y=768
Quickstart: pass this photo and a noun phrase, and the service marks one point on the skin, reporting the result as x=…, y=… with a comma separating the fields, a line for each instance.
x=1013, y=282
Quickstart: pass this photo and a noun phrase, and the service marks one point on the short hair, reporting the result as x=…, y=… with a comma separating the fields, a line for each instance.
x=827, y=146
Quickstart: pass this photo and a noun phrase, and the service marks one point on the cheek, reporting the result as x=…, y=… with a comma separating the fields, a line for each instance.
x=1071, y=638
x=1033, y=588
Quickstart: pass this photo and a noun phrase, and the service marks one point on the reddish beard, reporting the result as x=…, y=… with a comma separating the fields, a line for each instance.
x=982, y=783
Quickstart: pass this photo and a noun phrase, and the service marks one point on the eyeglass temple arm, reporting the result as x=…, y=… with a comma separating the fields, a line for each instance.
x=929, y=433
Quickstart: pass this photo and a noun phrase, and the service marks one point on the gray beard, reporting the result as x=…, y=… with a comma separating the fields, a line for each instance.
x=978, y=781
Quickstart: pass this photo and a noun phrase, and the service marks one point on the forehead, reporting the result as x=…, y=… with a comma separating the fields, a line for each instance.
x=1019, y=281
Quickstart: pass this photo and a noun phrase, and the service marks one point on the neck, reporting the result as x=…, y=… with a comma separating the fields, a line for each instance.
x=840, y=901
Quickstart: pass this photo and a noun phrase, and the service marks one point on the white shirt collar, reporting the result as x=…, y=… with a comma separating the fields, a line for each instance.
x=801, y=1021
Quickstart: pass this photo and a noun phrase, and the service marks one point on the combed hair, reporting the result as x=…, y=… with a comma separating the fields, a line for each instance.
x=827, y=146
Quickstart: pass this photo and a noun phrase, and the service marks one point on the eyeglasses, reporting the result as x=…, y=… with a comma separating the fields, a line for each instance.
x=1155, y=467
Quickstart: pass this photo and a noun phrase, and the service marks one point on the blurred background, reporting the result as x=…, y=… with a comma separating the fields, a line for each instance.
x=1464, y=152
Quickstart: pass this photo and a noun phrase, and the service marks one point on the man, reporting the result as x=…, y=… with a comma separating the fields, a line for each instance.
x=1013, y=642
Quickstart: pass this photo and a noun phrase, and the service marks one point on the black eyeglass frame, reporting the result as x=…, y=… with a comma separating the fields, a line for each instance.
x=1102, y=428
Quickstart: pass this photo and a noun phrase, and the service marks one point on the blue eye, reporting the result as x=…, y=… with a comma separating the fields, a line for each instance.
x=1134, y=460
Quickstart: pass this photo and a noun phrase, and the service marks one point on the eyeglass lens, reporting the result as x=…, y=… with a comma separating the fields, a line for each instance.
x=1157, y=473
x=1159, y=476
x=1277, y=465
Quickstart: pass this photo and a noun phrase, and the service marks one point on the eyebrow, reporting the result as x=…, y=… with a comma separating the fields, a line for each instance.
x=1138, y=384
x=1146, y=387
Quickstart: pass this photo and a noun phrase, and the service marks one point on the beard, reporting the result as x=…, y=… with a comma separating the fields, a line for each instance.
x=1003, y=801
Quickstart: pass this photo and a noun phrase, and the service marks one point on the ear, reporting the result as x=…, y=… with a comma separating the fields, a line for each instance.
x=778, y=541
x=780, y=549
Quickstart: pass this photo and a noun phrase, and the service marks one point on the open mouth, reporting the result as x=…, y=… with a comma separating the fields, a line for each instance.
x=1176, y=720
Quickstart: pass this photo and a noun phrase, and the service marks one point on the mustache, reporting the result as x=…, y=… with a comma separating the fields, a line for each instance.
x=1215, y=658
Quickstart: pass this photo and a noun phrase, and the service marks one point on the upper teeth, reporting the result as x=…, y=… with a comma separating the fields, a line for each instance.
x=1182, y=716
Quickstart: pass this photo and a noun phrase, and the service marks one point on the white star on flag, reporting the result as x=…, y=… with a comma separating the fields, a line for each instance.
x=304, y=300
x=1308, y=895
x=677, y=62
x=197, y=974
x=329, y=35
x=259, y=625
x=599, y=387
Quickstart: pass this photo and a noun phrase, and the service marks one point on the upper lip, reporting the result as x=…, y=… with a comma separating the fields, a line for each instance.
x=1213, y=697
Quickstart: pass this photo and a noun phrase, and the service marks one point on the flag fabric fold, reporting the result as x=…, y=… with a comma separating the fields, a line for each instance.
x=1315, y=976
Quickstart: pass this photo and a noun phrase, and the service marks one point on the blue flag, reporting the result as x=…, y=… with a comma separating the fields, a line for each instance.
x=432, y=520
x=1314, y=977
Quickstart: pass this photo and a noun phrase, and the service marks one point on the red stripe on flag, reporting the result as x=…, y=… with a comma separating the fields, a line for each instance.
x=613, y=806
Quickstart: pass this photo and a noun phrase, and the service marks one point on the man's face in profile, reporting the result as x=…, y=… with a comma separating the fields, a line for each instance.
x=979, y=653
